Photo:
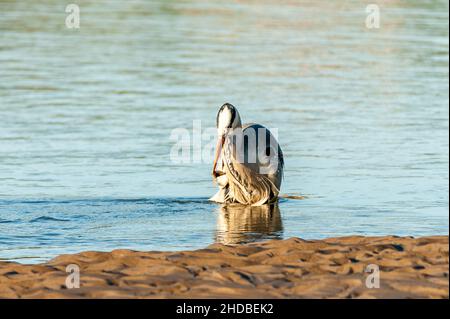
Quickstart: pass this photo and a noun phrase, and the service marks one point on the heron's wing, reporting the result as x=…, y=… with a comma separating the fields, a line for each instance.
x=263, y=153
x=254, y=165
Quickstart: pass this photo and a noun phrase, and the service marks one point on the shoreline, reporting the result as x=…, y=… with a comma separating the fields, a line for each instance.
x=291, y=268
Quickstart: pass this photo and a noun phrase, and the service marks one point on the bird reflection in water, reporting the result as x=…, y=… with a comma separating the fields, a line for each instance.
x=239, y=224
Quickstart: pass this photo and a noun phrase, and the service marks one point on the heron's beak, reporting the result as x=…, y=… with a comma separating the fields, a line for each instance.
x=220, y=141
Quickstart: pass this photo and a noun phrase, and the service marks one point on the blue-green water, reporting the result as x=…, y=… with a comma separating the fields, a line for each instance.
x=86, y=116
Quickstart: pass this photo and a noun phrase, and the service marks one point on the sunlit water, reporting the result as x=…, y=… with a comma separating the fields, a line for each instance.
x=86, y=117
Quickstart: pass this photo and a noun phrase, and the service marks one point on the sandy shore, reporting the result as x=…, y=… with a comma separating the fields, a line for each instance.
x=292, y=268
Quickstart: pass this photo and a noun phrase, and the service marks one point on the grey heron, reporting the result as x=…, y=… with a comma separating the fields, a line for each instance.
x=248, y=162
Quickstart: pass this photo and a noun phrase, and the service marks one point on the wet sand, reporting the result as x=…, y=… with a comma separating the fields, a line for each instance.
x=293, y=268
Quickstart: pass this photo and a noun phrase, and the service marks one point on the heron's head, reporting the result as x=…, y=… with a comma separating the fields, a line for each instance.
x=227, y=120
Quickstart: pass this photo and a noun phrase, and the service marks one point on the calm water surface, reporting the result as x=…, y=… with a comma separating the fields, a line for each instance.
x=86, y=117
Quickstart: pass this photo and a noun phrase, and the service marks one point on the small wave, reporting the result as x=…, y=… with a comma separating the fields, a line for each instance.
x=5, y=221
x=187, y=200
x=299, y=197
x=48, y=219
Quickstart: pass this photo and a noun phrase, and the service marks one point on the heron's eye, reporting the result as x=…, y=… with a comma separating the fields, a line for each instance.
x=267, y=151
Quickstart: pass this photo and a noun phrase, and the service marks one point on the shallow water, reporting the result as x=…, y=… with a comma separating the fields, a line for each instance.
x=86, y=117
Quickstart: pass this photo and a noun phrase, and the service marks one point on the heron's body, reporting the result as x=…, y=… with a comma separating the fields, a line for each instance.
x=249, y=162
